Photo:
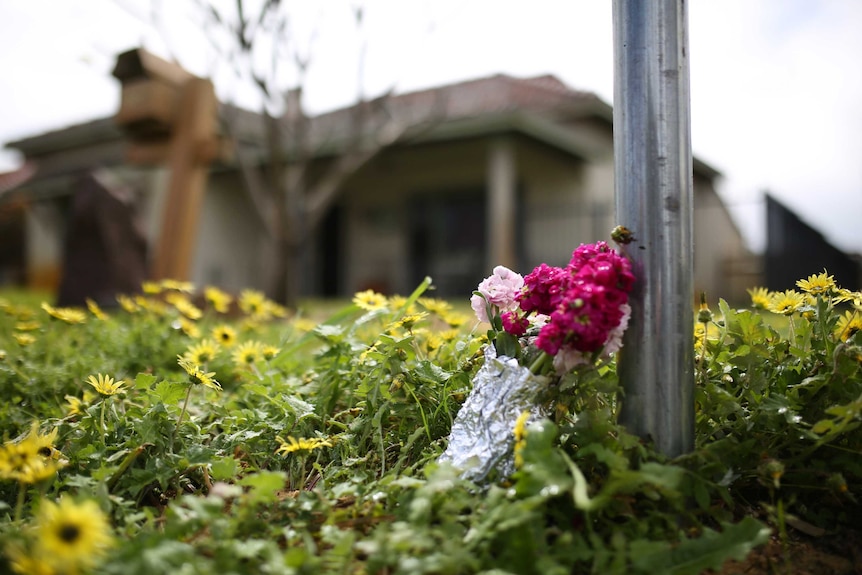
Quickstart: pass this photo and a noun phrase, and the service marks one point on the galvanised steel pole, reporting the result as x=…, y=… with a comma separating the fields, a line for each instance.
x=653, y=179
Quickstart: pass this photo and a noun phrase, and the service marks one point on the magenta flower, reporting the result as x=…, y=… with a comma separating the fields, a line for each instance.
x=515, y=324
x=586, y=304
x=543, y=289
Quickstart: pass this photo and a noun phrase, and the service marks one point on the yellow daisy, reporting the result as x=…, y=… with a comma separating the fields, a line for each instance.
x=128, y=304
x=787, y=302
x=151, y=288
x=71, y=536
x=197, y=375
x=292, y=445
x=27, y=325
x=225, y=335
x=74, y=405
x=449, y=335
x=817, y=284
x=189, y=328
x=187, y=287
x=218, y=299
x=44, y=442
x=410, y=320
x=454, y=319
x=203, y=352
x=25, y=564
x=106, y=385
x=96, y=310
x=65, y=314
x=370, y=300
x=436, y=306
x=23, y=339
x=844, y=295
x=269, y=352
x=247, y=353
x=154, y=306
x=30, y=460
x=252, y=302
x=760, y=297
x=184, y=305
x=275, y=309
x=848, y=325
x=433, y=341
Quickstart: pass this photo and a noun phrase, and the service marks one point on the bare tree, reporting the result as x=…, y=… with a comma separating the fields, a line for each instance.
x=290, y=201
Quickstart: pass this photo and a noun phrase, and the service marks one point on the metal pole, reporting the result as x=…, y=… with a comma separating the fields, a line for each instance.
x=653, y=179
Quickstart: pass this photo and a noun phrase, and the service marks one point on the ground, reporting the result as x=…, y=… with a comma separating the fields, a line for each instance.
x=802, y=555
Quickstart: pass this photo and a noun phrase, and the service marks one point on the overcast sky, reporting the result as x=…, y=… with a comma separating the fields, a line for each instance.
x=776, y=85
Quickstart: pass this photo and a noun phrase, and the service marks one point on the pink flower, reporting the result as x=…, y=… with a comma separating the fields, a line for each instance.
x=500, y=290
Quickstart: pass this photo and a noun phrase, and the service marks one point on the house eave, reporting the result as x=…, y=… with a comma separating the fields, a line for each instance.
x=93, y=132
x=525, y=123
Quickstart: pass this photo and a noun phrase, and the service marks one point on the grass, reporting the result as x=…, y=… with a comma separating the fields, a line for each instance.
x=322, y=458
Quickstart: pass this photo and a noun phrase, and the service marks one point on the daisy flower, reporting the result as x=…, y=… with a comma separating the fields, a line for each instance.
x=71, y=536
x=106, y=385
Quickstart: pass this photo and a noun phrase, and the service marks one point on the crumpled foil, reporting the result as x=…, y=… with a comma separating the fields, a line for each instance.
x=482, y=439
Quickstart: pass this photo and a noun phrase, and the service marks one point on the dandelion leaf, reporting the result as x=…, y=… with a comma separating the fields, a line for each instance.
x=693, y=556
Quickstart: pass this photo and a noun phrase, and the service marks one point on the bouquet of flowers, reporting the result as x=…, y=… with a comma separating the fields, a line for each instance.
x=542, y=327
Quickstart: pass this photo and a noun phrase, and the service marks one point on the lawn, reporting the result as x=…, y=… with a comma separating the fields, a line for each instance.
x=181, y=432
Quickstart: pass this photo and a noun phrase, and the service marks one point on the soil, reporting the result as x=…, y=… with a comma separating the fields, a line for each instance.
x=800, y=554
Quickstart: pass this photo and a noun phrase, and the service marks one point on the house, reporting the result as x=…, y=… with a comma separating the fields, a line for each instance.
x=795, y=250
x=497, y=170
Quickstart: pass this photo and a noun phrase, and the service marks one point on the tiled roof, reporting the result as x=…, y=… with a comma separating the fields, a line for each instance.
x=15, y=178
x=489, y=97
x=498, y=93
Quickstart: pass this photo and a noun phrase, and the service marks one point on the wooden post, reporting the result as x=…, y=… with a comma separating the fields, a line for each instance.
x=188, y=167
x=169, y=116
x=653, y=179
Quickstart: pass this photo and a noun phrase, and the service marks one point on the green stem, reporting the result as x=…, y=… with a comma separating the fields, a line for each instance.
x=540, y=363
x=127, y=462
x=102, y=419
x=703, y=370
x=182, y=413
x=19, y=504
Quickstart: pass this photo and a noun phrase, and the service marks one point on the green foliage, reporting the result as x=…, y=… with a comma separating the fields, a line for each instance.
x=322, y=457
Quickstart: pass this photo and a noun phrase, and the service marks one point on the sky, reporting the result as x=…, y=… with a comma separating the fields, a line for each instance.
x=775, y=84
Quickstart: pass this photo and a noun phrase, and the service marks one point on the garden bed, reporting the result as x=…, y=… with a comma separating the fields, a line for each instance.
x=174, y=434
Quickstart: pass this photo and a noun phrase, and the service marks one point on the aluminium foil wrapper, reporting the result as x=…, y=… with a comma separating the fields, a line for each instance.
x=482, y=440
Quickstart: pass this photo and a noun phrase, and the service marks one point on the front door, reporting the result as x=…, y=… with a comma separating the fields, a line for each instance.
x=447, y=242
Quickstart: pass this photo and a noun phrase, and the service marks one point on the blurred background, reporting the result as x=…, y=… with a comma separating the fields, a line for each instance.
x=363, y=145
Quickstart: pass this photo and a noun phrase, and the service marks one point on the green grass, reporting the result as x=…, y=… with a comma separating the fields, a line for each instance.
x=195, y=480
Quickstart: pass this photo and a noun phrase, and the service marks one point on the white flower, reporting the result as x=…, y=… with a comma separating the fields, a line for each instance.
x=499, y=290
x=615, y=337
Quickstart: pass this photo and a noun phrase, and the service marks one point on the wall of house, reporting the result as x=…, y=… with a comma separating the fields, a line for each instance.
x=723, y=266
x=563, y=202
x=231, y=250
x=45, y=230
x=556, y=213
x=558, y=205
x=377, y=209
